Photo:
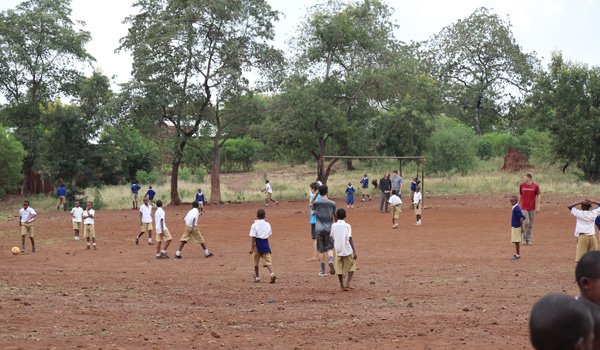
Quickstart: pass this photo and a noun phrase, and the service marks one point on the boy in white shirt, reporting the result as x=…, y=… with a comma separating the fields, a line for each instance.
x=260, y=231
x=26, y=217
x=341, y=233
x=192, y=232
x=146, y=221
x=77, y=215
x=269, y=190
x=585, y=231
x=417, y=200
x=396, y=204
x=162, y=232
x=89, y=231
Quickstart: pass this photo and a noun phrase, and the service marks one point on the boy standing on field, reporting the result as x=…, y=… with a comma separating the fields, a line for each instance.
x=516, y=224
x=200, y=199
x=269, y=190
x=365, y=187
x=350, y=196
x=192, y=232
x=146, y=222
x=89, y=231
x=162, y=232
x=413, y=187
x=584, y=227
x=417, y=201
x=396, y=204
x=341, y=233
x=325, y=210
x=26, y=217
x=260, y=231
x=314, y=195
x=77, y=215
x=61, y=193
x=135, y=188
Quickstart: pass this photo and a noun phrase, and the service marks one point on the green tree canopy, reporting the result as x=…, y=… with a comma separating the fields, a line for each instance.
x=11, y=161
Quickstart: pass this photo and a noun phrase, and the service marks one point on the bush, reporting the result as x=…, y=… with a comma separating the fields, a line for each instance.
x=149, y=177
x=98, y=202
x=495, y=144
x=239, y=154
x=537, y=145
x=11, y=161
x=452, y=146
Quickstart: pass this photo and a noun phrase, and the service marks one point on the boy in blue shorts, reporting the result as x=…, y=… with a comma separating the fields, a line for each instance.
x=516, y=224
x=260, y=231
x=350, y=196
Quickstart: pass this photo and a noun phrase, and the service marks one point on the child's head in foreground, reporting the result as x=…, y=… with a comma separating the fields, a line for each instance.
x=561, y=322
x=260, y=214
x=340, y=214
x=587, y=276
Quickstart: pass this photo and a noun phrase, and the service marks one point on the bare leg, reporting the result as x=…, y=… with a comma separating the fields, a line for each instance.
x=23, y=242
x=517, y=248
x=158, y=248
x=167, y=244
x=341, y=279
x=32, y=244
x=256, y=272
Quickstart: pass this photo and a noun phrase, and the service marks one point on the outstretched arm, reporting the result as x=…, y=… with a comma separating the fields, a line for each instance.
x=572, y=205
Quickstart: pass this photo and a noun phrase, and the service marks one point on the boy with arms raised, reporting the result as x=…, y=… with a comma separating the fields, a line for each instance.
x=341, y=233
x=260, y=231
x=584, y=227
x=325, y=210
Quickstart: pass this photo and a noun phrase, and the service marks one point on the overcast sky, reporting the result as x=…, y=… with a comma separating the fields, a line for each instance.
x=572, y=27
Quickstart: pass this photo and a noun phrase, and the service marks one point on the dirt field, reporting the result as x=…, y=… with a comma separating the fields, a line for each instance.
x=445, y=285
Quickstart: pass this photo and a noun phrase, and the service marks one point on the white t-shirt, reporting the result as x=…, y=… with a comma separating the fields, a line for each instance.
x=146, y=211
x=341, y=233
x=585, y=221
x=260, y=229
x=268, y=188
x=77, y=214
x=27, y=215
x=417, y=198
x=191, y=218
x=159, y=216
x=87, y=220
x=395, y=200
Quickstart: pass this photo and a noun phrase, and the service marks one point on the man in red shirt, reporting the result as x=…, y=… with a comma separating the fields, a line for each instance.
x=529, y=201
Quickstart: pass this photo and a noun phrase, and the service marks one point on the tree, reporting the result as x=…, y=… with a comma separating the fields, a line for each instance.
x=452, y=146
x=11, y=161
x=342, y=49
x=480, y=66
x=566, y=98
x=189, y=56
x=41, y=51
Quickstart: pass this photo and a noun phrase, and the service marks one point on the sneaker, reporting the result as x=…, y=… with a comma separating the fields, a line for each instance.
x=395, y=226
x=150, y=243
x=322, y=274
x=33, y=249
x=277, y=203
x=164, y=254
x=273, y=278
x=178, y=256
x=23, y=249
x=256, y=279
x=77, y=238
x=331, y=268
x=515, y=257
x=208, y=255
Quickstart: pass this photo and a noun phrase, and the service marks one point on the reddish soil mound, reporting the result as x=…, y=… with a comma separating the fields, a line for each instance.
x=515, y=161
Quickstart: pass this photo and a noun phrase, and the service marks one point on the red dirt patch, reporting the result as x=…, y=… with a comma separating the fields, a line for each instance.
x=515, y=161
x=447, y=284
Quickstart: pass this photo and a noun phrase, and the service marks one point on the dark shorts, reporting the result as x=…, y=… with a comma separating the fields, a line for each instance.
x=324, y=242
x=313, y=234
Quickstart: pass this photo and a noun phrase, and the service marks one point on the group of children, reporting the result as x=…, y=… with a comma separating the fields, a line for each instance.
x=395, y=200
x=562, y=322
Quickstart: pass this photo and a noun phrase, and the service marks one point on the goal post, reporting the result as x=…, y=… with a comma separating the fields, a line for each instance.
x=419, y=159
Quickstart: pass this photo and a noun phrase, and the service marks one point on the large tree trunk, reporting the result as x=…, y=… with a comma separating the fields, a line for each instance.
x=177, y=157
x=215, y=174
x=349, y=165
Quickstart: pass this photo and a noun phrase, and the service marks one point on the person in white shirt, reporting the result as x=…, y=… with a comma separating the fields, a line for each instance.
x=416, y=204
x=162, y=232
x=341, y=233
x=585, y=231
x=89, y=231
x=77, y=218
x=396, y=204
x=192, y=231
x=146, y=221
x=260, y=231
x=269, y=190
x=26, y=218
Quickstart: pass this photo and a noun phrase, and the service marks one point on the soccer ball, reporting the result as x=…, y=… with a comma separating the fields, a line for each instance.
x=15, y=250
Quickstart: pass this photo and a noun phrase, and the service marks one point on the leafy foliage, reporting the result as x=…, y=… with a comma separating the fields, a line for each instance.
x=11, y=159
x=452, y=147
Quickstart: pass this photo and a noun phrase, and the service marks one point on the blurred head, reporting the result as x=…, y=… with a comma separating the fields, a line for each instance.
x=159, y=203
x=260, y=214
x=314, y=187
x=349, y=184
x=528, y=178
x=150, y=187
x=88, y=205
x=340, y=214
x=387, y=175
x=395, y=172
x=199, y=190
x=25, y=204
x=514, y=199
x=266, y=181
x=394, y=192
x=323, y=190
x=418, y=189
x=586, y=205
x=365, y=175
x=587, y=276
x=195, y=204
x=77, y=204
x=145, y=201
x=561, y=322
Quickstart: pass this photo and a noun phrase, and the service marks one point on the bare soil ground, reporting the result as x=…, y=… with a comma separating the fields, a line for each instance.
x=447, y=284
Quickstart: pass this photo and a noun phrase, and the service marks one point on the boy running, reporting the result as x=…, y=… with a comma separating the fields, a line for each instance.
x=341, y=233
x=269, y=190
x=162, y=232
x=88, y=225
x=26, y=217
x=146, y=222
x=191, y=231
x=260, y=231
x=150, y=195
x=77, y=215
x=325, y=210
